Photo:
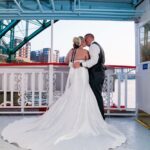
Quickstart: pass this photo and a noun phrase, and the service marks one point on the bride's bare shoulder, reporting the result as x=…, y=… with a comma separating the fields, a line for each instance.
x=85, y=50
x=86, y=54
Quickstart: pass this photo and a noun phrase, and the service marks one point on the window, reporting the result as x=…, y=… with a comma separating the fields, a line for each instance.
x=145, y=42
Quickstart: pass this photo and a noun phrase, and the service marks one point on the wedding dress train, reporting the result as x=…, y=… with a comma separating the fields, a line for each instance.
x=74, y=122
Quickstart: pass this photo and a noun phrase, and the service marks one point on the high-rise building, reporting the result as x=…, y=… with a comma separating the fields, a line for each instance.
x=23, y=53
x=56, y=56
x=3, y=57
x=35, y=56
x=62, y=59
x=42, y=55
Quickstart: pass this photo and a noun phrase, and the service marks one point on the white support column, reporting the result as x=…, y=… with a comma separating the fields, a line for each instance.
x=137, y=62
x=50, y=59
x=137, y=45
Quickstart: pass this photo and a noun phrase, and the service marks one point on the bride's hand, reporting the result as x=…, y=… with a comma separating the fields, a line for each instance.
x=76, y=65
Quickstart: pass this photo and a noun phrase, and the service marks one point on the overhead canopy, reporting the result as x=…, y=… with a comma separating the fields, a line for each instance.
x=70, y=9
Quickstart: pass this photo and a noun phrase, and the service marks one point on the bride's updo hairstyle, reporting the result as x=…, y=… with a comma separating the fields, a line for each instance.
x=77, y=42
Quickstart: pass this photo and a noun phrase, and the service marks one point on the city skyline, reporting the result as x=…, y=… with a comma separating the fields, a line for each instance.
x=42, y=55
x=117, y=38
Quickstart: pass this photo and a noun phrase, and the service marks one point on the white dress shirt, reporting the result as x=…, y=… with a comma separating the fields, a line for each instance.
x=94, y=52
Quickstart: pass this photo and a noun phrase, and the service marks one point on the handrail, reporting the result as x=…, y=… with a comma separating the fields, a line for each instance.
x=60, y=64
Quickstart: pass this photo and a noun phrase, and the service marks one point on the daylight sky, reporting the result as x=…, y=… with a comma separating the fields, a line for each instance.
x=116, y=38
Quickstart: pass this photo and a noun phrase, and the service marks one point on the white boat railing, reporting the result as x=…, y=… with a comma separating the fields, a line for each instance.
x=34, y=88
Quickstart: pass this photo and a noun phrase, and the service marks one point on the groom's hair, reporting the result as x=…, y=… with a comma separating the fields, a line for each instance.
x=89, y=34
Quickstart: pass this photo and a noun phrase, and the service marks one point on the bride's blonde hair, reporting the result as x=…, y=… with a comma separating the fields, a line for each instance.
x=77, y=41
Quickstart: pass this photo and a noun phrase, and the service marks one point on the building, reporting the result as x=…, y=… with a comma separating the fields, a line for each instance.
x=23, y=54
x=62, y=59
x=42, y=55
x=56, y=55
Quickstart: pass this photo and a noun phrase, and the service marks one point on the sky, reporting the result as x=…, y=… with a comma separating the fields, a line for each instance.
x=117, y=38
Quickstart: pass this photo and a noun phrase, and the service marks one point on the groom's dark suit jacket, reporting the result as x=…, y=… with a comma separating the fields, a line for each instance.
x=99, y=67
x=96, y=78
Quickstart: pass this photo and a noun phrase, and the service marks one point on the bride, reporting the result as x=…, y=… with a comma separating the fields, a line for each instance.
x=74, y=122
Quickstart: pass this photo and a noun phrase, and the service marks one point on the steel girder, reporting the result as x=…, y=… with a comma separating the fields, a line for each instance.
x=31, y=36
x=9, y=26
x=70, y=9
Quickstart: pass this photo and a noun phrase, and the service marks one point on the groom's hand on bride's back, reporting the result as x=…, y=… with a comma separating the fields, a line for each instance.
x=76, y=65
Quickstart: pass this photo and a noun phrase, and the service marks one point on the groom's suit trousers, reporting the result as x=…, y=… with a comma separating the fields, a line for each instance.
x=96, y=80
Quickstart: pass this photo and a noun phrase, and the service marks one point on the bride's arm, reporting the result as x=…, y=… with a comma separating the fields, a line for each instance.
x=67, y=59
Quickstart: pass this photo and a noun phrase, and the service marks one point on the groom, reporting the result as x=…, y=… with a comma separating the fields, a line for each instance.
x=96, y=69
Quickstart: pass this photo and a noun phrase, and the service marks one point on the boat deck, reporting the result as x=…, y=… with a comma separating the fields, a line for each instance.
x=138, y=137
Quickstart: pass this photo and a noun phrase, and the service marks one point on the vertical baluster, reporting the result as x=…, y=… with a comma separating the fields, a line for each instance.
x=50, y=92
x=40, y=88
x=33, y=87
x=119, y=90
x=26, y=87
x=126, y=90
x=5, y=88
x=108, y=93
x=12, y=88
x=62, y=82
x=26, y=82
x=22, y=92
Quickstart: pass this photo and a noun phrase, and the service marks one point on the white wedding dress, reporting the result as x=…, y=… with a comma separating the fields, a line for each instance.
x=74, y=122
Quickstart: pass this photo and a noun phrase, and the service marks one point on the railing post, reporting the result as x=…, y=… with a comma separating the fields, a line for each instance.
x=108, y=94
x=119, y=90
x=33, y=87
x=50, y=91
x=62, y=82
x=22, y=92
x=126, y=88
x=5, y=88
x=40, y=88
x=12, y=87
